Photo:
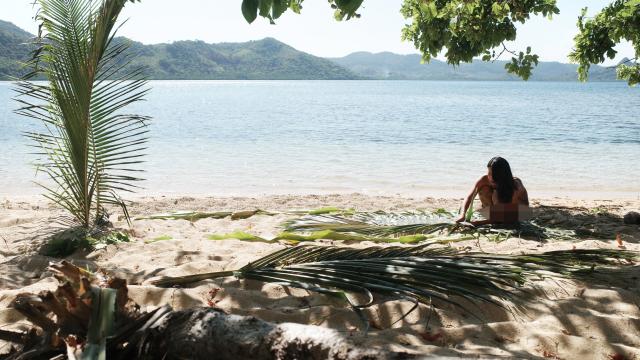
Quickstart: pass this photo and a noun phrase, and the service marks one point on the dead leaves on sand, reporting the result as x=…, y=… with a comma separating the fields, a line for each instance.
x=197, y=215
x=238, y=215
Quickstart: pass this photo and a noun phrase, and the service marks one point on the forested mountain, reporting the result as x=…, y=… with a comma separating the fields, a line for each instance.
x=263, y=59
x=13, y=48
x=392, y=66
x=271, y=59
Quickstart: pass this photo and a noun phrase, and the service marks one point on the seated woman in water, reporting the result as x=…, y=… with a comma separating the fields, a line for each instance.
x=502, y=194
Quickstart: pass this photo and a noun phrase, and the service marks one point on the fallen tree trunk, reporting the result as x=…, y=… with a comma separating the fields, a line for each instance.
x=207, y=333
x=66, y=323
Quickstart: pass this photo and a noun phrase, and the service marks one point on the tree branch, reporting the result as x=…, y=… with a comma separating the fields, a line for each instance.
x=504, y=49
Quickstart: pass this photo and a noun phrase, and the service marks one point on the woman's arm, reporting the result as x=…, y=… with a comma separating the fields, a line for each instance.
x=468, y=201
x=523, y=196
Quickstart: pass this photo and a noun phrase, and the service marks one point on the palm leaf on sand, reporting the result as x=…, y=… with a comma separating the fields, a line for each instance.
x=376, y=223
x=419, y=274
x=388, y=224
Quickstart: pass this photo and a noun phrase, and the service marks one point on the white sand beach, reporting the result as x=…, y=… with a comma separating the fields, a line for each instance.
x=568, y=320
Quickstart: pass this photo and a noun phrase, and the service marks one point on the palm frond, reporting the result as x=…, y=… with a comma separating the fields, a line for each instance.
x=419, y=273
x=440, y=222
x=294, y=238
x=376, y=223
x=88, y=144
x=197, y=215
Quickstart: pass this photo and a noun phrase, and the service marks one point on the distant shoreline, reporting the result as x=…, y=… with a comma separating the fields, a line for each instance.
x=451, y=196
x=395, y=80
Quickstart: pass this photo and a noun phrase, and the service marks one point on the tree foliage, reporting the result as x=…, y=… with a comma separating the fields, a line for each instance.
x=467, y=29
x=599, y=35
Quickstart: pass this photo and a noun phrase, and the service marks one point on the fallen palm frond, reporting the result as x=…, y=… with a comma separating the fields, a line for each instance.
x=239, y=235
x=377, y=223
x=419, y=274
x=323, y=210
x=385, y=224
x=197, y=215
x=293, y=238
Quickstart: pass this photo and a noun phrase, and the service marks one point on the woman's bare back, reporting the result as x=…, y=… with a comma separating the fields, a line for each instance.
x=489, y=196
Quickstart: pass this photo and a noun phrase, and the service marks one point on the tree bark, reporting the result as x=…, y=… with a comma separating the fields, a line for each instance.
x=206, y=333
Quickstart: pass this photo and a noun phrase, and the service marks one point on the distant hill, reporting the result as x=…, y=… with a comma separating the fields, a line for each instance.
x=13, y=48
x=262, y=59
x=390, y=66
x=271, y=59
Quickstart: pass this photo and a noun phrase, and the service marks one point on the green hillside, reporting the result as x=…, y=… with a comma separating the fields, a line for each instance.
x=271, y=59
x=390, y=66
x=263, y=59
x=13, y=48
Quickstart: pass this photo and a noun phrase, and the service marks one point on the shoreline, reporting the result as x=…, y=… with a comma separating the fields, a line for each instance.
x=458, y=195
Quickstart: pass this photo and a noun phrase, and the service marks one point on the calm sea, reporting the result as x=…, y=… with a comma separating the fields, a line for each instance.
x=378, y=137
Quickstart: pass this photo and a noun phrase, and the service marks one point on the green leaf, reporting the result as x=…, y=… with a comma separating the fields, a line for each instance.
x=250, y=10
x=240, y=235
x=295, y=6
x=159, y=238
x=328, y=210
x=433, y=9
x=469, y=215
x=496, y=8
x=101, y=323
x=278, y=8
x=265, y=7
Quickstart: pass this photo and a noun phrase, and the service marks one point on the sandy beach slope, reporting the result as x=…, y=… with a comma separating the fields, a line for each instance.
x=566, y=320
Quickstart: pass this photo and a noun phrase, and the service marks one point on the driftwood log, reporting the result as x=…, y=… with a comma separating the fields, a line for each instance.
x=62, y=327
x=206, y=333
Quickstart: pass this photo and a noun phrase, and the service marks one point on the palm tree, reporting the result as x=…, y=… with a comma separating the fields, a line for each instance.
x=89, y=146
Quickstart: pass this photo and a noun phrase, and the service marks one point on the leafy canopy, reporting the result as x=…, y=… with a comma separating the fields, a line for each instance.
x=466, y=29
x=599, y=35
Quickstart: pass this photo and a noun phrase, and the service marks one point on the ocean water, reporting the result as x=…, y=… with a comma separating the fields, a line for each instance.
x=414, y=138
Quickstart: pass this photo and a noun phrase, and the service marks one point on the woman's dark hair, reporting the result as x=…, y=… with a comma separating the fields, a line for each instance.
x=502, y=176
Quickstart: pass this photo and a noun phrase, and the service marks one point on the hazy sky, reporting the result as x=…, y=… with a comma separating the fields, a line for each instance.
x=314, y=31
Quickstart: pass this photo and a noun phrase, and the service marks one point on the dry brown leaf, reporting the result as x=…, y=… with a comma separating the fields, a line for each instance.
x=619, y=241
x=428, y=336
x=617, y=356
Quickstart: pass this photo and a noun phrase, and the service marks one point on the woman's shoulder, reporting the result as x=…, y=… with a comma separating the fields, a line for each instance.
x=483, y=181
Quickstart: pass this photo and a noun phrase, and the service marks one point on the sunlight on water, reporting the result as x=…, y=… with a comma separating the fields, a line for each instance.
x=377, y=137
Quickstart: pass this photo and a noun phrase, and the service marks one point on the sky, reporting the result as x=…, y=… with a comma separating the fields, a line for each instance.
x=314, y=31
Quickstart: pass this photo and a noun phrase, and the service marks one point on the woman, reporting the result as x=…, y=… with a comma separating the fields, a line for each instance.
x=500, y=191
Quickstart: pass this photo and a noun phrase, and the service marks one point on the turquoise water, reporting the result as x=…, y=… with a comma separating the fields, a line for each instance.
x=377, y=137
